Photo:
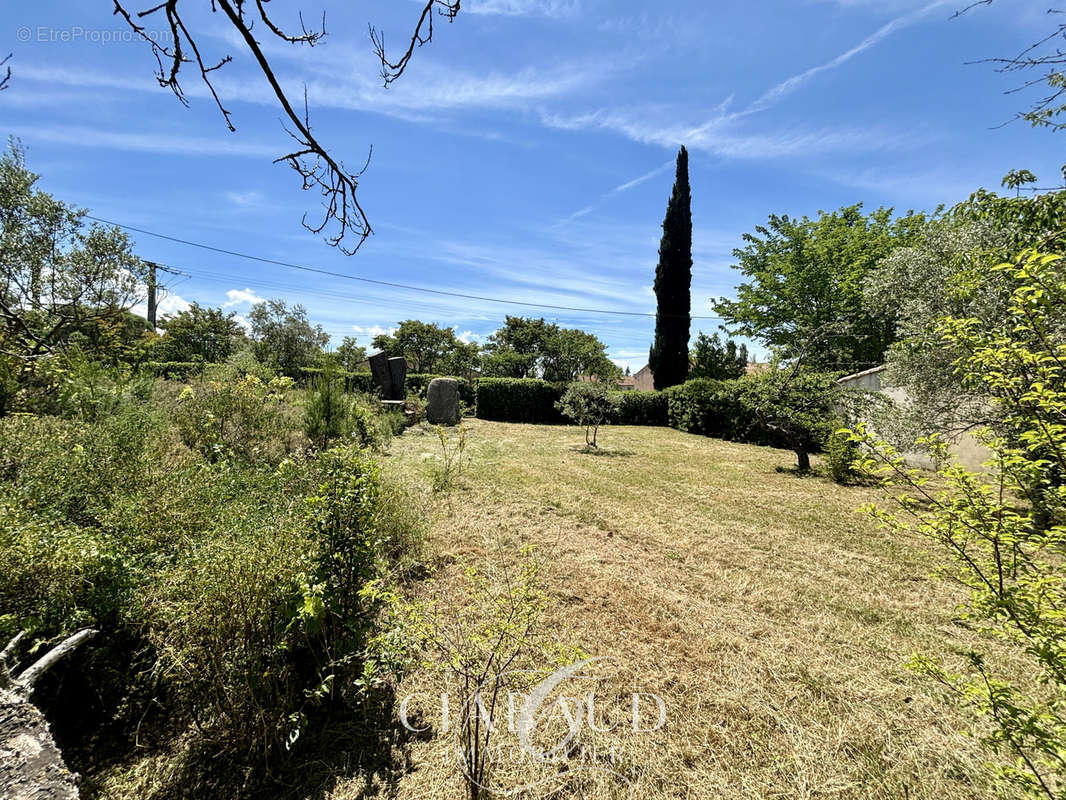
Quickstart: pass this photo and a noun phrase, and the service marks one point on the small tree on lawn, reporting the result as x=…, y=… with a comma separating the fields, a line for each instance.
x=590, y=405
x=796, y=406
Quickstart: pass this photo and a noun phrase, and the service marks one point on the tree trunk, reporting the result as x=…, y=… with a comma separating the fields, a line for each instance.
x=803, y=460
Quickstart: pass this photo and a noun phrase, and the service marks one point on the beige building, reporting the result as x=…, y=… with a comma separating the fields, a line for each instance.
x=643, y=380
x=963, y=447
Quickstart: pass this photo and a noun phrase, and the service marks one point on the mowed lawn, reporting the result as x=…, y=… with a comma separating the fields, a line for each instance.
x=772, y=617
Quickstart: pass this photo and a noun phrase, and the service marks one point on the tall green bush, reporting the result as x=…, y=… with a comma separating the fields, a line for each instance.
x=519, y=400
x=641, y=408
x=327, y=410
x=240, y=419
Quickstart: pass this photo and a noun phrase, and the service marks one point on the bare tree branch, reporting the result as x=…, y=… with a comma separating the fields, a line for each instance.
x=423, y=34
x=7, y=72
x=343, y=217
x=1039, y=55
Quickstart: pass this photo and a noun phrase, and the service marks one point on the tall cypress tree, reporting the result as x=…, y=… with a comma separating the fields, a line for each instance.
x=668, y=358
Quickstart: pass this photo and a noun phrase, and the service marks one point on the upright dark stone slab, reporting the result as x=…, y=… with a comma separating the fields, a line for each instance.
x=398, y=375
x=379, y=368
x=442, y=401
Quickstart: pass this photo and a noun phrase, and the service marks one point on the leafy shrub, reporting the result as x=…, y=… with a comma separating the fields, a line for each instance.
x=221, y=623
x=241, y=362
x=518, y=400
x=451, y=463
x=1001, y=535
x=841, y=456
x=794, y=407
x=641, y=408
x=175, y=370
x=722, y=409
x=55, y=576
x=72, y=468
x=327, y=411
x=362, y=382
x=414, y=410
x=695, y=407
x=589, y=405
x=233, y=598
x=240, y=419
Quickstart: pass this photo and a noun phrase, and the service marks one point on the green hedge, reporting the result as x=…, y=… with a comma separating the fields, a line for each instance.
x=641, y=408
x=418, y=382
x=519, y=400
x=715, y=408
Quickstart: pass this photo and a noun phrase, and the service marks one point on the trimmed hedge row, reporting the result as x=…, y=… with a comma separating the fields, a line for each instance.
x=519, y=400
x=716, y=408
x=641, y=408
x=700, y=406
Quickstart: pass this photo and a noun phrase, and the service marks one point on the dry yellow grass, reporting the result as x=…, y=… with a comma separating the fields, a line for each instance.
x=772, y=618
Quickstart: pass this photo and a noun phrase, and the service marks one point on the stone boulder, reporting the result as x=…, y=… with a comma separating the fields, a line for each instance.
x=442, y=401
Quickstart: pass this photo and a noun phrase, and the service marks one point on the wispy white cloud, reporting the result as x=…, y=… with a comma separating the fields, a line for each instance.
x=332, y=82
x=720, y=134
x=773, y=95
x=248, y=199
x=647, y=176
x=240, y=297
x=523, y=8
x=159, y=142
x=722, y=137
x=166, y=305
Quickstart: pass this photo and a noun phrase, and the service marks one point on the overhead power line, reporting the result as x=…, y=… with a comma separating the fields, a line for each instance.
x=408, y=287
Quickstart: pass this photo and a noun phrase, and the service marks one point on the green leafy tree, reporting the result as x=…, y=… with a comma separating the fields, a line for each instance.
x=350, y=354
x=710, y=358
x=668, y=357
x=805, y=291
x=1001, y=533
x=945, y=273
x=508, y=364
x=57, y=275
x=198, y=333
x=532, y=348
x=283, y=338
x=571, y=353
x=796, y=406
x=428, y=348
x=589, y=404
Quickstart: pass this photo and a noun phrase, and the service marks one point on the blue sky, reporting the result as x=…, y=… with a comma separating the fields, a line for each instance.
x=527, y=154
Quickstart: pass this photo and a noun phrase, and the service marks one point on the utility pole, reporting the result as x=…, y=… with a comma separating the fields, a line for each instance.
x=151, y=293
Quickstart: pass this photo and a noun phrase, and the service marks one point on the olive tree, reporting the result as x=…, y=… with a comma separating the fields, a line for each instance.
x=589, y=404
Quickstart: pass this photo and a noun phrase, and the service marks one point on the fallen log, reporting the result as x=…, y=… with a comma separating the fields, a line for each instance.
x=31, y=766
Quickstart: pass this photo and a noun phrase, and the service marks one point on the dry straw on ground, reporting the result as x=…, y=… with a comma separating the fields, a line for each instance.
x=772, y=617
